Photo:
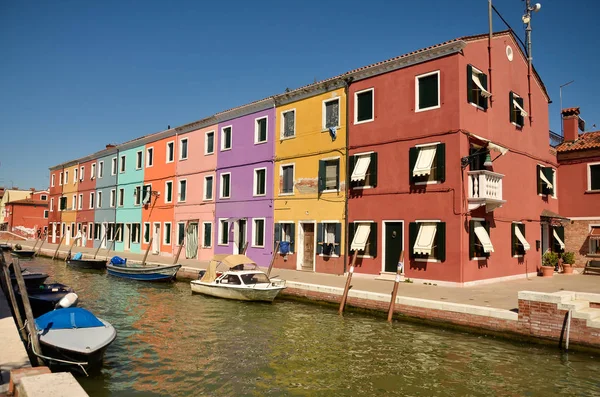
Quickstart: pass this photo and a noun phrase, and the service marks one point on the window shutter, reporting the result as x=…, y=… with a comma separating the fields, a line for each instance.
x=351, y=229
x=351, y=164
x=320, y=238
x=292, y=236
x=471, y=238
x=413, y=230
x=511, y=107
x=470, y=85
x=276, y=234
x=440, y=158
x=513, y=240
x=207, y=233
x=338, y=238
x=373, y=171
x=373, y=240
x=486, y=225
x=522, y=227
x=337, y=175
x=549, y=175
x=483, y=79
x=413, y=155
x=441, y=241
x=321, y=175
x=538, y=168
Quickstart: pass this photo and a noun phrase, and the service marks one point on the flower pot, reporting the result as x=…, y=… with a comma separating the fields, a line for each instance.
x=567, y=269
x=547, y=271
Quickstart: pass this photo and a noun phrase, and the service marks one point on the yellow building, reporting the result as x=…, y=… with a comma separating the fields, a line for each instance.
x=70, y=182
x=310, y=177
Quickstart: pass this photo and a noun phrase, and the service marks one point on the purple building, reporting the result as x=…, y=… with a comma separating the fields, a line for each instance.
x=244, y=205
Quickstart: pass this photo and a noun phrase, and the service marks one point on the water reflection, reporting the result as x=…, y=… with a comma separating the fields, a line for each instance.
x=173, y=343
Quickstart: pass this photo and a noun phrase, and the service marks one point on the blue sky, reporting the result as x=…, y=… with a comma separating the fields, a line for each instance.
x=94, y=73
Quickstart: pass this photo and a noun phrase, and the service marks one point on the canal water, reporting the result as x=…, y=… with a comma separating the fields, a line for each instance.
x=173, y=343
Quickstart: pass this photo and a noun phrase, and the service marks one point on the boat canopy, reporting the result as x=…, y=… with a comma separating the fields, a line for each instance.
x=227, y=260
x=72, y=317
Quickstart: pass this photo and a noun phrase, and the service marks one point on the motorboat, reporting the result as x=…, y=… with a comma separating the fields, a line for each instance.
x=45, y=297
x=32, y=279
x=22, y=254
x=74, y=337
x=118, y=267
x=78, y=262
x=5, y=247
x=236, y=282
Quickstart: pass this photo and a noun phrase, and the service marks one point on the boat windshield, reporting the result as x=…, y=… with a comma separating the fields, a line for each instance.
x=256, y=278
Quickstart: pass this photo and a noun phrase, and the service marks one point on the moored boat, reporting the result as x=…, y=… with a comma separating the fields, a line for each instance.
x=120, y=268
x=98, y=264
x=45, y=297
x=5, y=247
x=22, y=254
x=32, y=279
x=237, y=283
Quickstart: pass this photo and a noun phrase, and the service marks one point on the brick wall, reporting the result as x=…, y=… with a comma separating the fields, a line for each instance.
x=577, y=241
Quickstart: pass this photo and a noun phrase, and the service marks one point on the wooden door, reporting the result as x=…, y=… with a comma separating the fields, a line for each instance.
x=309, y=246
x=393, y=245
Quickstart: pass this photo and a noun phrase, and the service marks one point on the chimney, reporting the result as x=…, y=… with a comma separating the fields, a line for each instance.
x=571, y=124
x=110, y=146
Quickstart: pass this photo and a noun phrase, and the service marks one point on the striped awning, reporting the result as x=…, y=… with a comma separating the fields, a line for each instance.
x=425, y=239
x=594, y=233
x=360, y=168
x=485, y=93
x=483, y=237
x=516, y=104
x=361, y=237
x=424, y=161
x=543, y=177
x=522, y=239
x=558, y=240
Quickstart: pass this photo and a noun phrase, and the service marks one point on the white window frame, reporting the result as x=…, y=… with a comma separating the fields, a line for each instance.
x=144, y=226
x=66, y=180
x=204, y=233
x=166, y=190
x=590, y=242
x=114, y=165
x=139, y=160
x=172, y=143
x=46, y=213
x=121, y=197
x=339, y=159
x=61, y=179
x=179, y=200
x=113, y=198
x=74, y=203
x=330, y=222
x=80, y=201
x=99, y=199
x=52, y=204
x=100, y=169
x=255, y=182
x=589, y=176
x=81, y=173
x=93, y=171
x=220, y=232
x=92, y=200
x=180, y=225
x=324, y=112
x=90, y=231
x=149, y=158
x=282, y=126
x=75, y=175
x=206, y=152
x=165, y=235
x=43, y=197
x=221, y=185
x=135, y=237
x=186, y=140
x=137, y=192
x=52, y=180
x=223, y=149
x=356, y=122
x=264, y=220
x=256, y=131
x=122, y=164
x=293, y=165
x=417, y=109
x=212, y=193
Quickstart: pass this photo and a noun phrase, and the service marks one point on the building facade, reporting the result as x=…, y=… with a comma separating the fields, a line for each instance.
x=28, y=217
x=106, y=182
x=86, y=201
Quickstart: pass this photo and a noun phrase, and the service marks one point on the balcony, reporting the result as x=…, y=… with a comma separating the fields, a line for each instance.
x=485, y=188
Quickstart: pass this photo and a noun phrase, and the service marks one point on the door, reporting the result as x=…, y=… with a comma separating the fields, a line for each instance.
x=239, y=236
x=54, y=232
x=156, y=239
x=393, y=245
x=545, y=237
x=103, y=235
x=308, y=246
x=127, y=237
x=191, y=241
x=80, y=242
x=84, y=235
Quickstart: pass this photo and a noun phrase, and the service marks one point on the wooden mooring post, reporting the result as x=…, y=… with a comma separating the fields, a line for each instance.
x=100, y=245
x=395, y=289
x=273, y=259
x=347, y=287
x=57, y=248
x=176, y=259
x=11, y=296
x=147, y=250
x=43, y=241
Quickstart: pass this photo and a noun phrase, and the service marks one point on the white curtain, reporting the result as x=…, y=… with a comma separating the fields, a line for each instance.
x=191, y=241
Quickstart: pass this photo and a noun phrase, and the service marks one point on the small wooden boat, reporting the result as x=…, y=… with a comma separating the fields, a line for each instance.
x=74, y=337
x=98, y=264
x=143, y=273
x=5, y=247
x=45, y=297
x=22, y=254
x=32, y=279
x=237, y=283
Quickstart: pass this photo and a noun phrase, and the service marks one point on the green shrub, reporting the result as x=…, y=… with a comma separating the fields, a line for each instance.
x=550, y=259
x=568, y=258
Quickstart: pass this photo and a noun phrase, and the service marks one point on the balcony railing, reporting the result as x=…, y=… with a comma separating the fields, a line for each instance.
x=485, y=188
x=555, y=139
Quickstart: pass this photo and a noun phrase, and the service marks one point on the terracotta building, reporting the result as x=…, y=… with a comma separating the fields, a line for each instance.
x=28, y=217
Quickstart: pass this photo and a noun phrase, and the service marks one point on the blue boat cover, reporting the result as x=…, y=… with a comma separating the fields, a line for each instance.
x=117, y=260
x=71, y=317
x=77, y=256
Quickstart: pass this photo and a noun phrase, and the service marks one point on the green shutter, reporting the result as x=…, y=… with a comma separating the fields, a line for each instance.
x=373, y=170
x=207, y=234
x=520, y=119
x=351, y=165
x=319, y=238
x=292, y=236
x=440, y=158
x=276, y=234
x=511, y=108
x=413, y=155
x=471, y=239
x=486, y=225
x=522, y=227
x=338, y=238
x=373, y=240
x=470, y=85
x=538, y=168
x=321, y=175
x=350, y=232
x=413, y=230
x=441, y=241
x=484, y=101
x=548, y=174
x=513, y=240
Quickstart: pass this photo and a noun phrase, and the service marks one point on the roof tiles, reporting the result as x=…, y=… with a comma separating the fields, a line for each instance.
x=588, y=140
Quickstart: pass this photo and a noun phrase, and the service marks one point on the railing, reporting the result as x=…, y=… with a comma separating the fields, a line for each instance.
x=555, y=139
x=485, y=185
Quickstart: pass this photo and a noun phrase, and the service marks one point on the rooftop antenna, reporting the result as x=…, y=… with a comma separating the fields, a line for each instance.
x=527, y=21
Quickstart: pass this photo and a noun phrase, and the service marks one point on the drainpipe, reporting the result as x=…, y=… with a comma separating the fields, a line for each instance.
x=490, y=48
x=347, y=82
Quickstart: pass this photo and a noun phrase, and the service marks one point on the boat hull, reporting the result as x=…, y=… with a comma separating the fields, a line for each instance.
x=22, y=254
x=44, y=300
x=236, y=293
x=5, y=247
x=32, y=280
x=161, y=273
x=97, y=264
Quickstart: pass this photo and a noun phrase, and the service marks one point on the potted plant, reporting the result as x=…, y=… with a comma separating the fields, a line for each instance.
x=549, y=262
x=568, y=261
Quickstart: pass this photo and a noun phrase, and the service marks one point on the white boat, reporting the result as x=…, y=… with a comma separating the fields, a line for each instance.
x=236, y=282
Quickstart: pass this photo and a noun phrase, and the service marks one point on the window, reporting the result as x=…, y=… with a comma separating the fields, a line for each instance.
x=75, y=175
x=80, y=202
x=119, y=232
x=51, y=205
x=62, y=205
x=593, y=176
x=223, y=232
x=66, y=177
x=81, y=173
x=477, y=92
x=260, y=130
x=364, y=106
x=113, y=166
x=180, y=233
x=146, y=194
x=93, y=170
x=285, y=232
x=44, y=197
x=99, y=203
x=73, y=232
x=207, y=234
x=113, y=198
x=149, y=157
x=167, y=234
x=146, y=233
x=519, y=245
x=363, y=237
x=331, y=113
x=97, y=231
x=225, y=185
x=123, y=164
x=52, y=179
x=45, y=214
x=226, y=138
x=329, y=175
x=139, y=160
x=121, y=197
x=100, y=169
x=427, y=91
x=60, y=179
x=480, y=244
x=182, y=190
x=258, y=232
x=92, y=200
x=427, y=241
x=427, y=163
x=363, y=170
x=74, y=202
x=90, y=230
x=208, y=187
x=594, y=237
x=287, y=179
x=260, y=181
x=329, y=238
x=558, y=238
x=545, y=180
x=288, y=127
x=517, y=111
x=183, y=149
x=209, y=142
x=170, y=152
x=168, y=191
x=135, y=233
x=137, y=195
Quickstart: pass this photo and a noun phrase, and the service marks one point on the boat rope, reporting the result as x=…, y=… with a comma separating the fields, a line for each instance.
x=80, y=364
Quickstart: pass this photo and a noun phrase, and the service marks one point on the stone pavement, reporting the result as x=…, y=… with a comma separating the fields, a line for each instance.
x=500, y=295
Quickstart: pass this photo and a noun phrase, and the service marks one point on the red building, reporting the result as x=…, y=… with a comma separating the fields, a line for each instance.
x=28, y=217
x=449, y=161
x=579, y=187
